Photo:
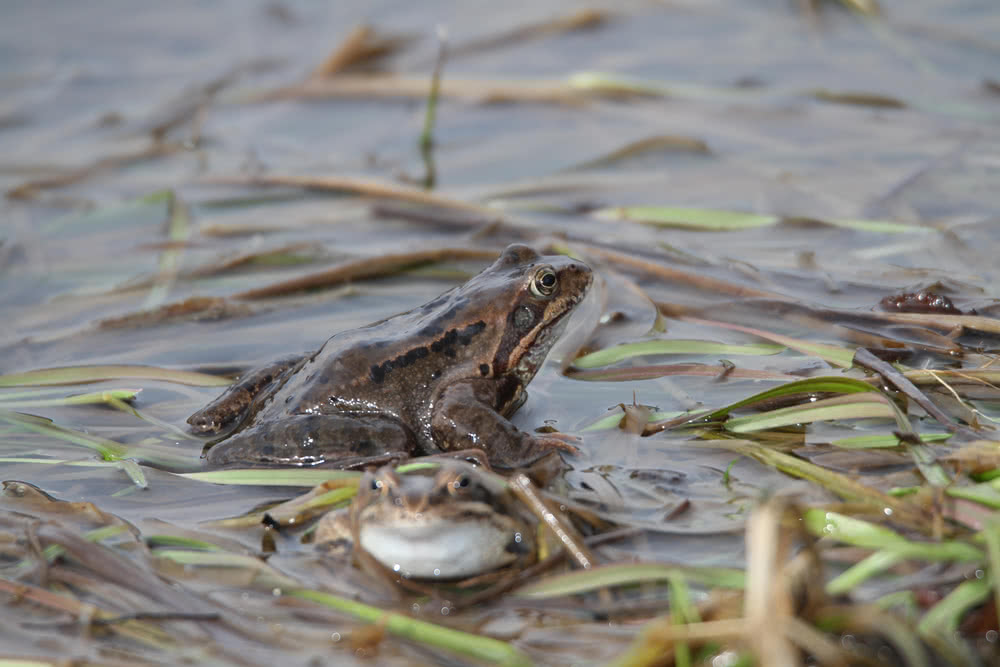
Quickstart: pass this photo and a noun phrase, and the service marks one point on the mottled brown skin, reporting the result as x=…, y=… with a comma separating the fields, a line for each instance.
x=442, y=377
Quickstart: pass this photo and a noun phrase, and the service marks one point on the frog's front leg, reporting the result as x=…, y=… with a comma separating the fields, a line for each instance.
x=344, y=441
x=231, y=407
x=464, y=418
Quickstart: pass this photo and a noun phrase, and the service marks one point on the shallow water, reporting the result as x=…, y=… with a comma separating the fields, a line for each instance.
x=82, y=83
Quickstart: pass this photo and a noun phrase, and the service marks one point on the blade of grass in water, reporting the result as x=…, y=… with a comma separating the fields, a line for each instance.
x=991, y=537
x=839, y=385
x=31, y=460
x=875, y=564
x=110, y=397
x=263, y=575
x=836, y=483
x=271, y=477
x=85, y=374
x=880, y=226
x=169, y=428
x=488, y=650
x=861, y=533
x=155, y=541
x=612, y=420
x=855, y=406
x=108, y=449
x=882, y=441
x=152, y=207
x=178, y=231
x=687, y=218
x=611, y=355
x=627, y=574
x=941, y=621
x=134, y=472
x=835, y=356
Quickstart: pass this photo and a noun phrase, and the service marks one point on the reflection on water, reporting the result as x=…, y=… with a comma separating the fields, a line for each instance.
x=119, y=248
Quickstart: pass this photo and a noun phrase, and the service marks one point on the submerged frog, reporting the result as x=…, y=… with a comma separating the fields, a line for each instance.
x=442, y=377
x=449, y=522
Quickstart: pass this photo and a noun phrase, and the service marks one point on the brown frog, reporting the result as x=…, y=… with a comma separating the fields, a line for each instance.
x=439, y=378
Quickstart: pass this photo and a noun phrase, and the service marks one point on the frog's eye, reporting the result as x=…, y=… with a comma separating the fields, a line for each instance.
x=377, y=484
x=545, y=281
x=460, y=482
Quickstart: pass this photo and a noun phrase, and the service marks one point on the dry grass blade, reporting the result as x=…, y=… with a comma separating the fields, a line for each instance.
x=197, y=308
x=568, y=537
x=768, y=605
x=859, y=99
x=240, y=260
x=866, y=359
x=633, y=263
x=31, y=189
x=658, y=144
x=113, y=567
x=944, y=322
x=583, y=19
x=386, y=86
x=363, y=269
x=354, y=186
x=82, y=611
x=362, y=45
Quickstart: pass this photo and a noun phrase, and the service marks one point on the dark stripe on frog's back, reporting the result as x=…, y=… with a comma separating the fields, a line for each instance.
x=445, y=345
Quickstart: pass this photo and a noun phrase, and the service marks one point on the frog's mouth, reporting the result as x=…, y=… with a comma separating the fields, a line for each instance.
x=425, y=547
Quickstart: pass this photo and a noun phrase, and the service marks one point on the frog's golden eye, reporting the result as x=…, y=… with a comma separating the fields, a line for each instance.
x=545, y=281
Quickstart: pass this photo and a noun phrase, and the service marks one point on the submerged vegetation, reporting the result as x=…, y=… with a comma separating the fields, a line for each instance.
x=800, y=463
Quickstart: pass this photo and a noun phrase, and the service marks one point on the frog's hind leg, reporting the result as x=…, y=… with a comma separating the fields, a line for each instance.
x=343, y=441
x=231, y=407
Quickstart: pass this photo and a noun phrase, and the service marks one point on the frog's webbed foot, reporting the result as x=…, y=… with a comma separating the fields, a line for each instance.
x=342, y=441
x=231, y=407
x=464, y=418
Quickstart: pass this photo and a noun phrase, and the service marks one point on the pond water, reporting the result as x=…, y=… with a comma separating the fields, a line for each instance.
x=868, y=145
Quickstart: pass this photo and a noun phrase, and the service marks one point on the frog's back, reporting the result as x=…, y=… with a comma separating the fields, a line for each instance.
x=390, y=367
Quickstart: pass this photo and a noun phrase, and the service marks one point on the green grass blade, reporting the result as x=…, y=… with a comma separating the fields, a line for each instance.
x=271, y=477
x=687, y=218
x=832, y=384
x=156, y=541
x=627, y=574
x=134, y=472
x=108, y=449
x=832, y=354
x=943, y=618
x=99, y=373
x=489, y=650
x=875, y=564
x=611, y=355
x=864, y=406
x=861, y=533
x=880, y=226
x=97, y=397
x=882, y=441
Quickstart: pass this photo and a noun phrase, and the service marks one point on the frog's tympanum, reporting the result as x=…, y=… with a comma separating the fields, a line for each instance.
x=442, y=377
x=447, y=522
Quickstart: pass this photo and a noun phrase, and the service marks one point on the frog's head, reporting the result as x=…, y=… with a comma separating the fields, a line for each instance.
x=539, y=292
x=448, y=522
